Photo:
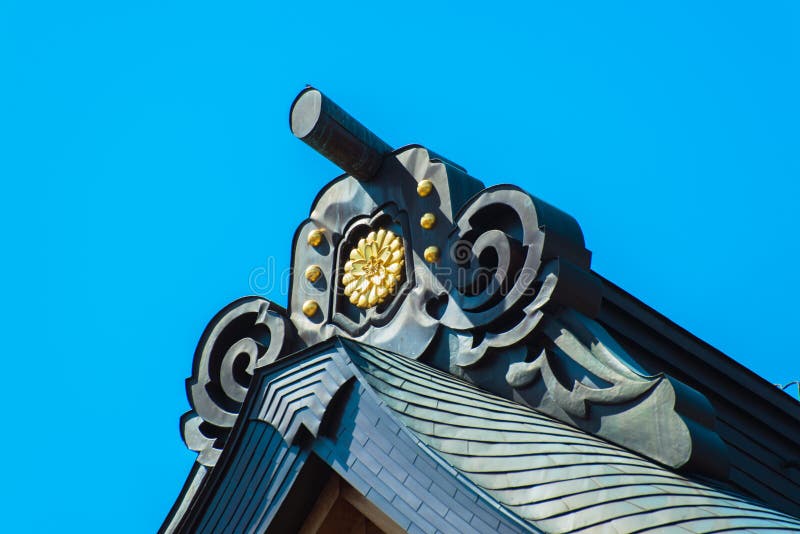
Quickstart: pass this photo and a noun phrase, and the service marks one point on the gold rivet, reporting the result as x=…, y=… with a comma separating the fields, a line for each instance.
x=315, y=238
x=427, y=221
x=313, y=272
x=424, y=188
x=431, y=254
x=310, y=308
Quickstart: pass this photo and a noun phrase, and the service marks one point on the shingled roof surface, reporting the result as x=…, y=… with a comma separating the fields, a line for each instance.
x=555, y=476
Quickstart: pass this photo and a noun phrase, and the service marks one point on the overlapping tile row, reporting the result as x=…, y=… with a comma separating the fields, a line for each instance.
x=370, y=450
x=249, y=495
x=555, y=476
x=299, y=396
x=361, y=440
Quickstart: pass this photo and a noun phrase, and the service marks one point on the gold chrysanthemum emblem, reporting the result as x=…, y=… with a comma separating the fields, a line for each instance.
x=374, y=269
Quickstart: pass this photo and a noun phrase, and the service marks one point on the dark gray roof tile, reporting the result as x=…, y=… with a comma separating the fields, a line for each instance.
x=559, y=478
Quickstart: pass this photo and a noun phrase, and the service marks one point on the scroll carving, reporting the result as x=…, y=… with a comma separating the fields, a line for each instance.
x=519, y=305
x=246, y=335
x=508, y=251
x=507, y=302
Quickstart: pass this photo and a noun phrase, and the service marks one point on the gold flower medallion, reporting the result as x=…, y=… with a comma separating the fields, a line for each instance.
x=374, y=269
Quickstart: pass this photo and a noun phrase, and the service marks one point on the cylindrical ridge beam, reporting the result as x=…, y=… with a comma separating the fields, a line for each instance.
x=331, y=131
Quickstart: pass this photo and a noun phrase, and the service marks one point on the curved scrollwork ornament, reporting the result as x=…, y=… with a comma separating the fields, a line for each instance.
x=249, y=333
x=507, y=302
x=508, y=250
x=576, y=372
x=520, y=305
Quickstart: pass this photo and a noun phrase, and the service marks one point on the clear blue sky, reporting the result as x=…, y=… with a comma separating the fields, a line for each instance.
x=148, y=169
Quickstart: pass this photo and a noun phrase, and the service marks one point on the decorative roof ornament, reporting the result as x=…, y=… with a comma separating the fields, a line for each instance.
x=408, y=253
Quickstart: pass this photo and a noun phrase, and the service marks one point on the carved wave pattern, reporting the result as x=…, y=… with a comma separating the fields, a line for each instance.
x=508, y=251
x=249, y=333
x=509, y=308
x=521, y=298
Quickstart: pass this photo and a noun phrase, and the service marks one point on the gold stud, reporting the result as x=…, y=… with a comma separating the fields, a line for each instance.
x=427, y=221
x=424, y=188
x=431, y=254
x=310, y=308
x=313, y=272
x=315, y=238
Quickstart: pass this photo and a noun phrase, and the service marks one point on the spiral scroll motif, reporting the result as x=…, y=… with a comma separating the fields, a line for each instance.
x=494, y=254
x=499, y=245
x=246, y=335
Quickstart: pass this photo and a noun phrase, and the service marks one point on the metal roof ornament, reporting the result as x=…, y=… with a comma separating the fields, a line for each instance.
x=408, y=253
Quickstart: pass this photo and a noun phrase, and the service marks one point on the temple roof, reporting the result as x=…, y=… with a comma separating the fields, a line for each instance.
x=449, y=361
x=437, y=454
x=311, y=416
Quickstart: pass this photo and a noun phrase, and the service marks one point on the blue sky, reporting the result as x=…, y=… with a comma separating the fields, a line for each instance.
x=148, y=170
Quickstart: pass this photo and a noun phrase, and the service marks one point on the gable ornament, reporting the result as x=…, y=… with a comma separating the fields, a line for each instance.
x=409, y=253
